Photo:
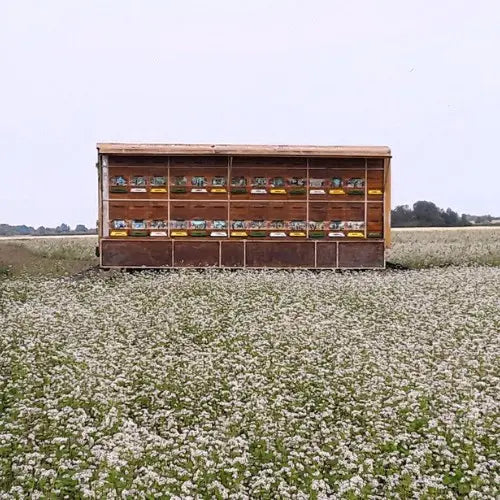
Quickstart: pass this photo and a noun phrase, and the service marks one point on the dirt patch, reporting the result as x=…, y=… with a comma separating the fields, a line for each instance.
x=16, y=259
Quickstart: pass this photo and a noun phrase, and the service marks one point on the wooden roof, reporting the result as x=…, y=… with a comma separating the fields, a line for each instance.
x=117, y=148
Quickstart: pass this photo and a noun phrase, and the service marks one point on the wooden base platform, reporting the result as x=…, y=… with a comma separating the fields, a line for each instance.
x=255, y=254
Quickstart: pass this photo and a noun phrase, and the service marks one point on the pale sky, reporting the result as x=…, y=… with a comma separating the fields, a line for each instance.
x=422, y=77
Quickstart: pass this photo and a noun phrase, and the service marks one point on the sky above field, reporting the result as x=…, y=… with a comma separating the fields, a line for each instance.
x=421, y=77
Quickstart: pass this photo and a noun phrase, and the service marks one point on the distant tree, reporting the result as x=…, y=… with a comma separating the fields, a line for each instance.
x=464, y=221
x=80, y=228
x=402, y=216
x=24, y=230
x=427, y=214
x=6, y=230
x=40, y=231
x=482, y=219
x=63, y=228
x=450, y=218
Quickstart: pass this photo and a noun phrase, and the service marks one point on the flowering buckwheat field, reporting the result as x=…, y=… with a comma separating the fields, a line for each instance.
x=255, y=384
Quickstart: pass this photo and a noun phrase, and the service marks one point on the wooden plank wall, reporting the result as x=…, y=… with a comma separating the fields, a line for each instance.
x=301, y=199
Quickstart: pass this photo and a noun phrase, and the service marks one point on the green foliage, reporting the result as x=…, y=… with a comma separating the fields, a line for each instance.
x=426, y=213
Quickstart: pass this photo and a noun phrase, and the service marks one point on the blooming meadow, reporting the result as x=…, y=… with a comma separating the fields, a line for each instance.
x=436, y=247
x=251, y=384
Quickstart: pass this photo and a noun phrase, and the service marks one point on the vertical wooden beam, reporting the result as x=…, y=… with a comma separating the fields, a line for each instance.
x=105, y=202
x=169, y=190
x=366, y=198
x=99, y=205
x=387, y=202
x=229, y=174
x=99, y=196
x=307, y=198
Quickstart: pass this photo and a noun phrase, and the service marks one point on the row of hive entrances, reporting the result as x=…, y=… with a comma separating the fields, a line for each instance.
x=217, y=184
x=275, y=220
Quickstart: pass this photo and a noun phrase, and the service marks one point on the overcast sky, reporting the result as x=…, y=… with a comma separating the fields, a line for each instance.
x=422, y=77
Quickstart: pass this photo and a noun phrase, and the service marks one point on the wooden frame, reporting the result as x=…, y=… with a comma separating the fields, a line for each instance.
x=301, y=243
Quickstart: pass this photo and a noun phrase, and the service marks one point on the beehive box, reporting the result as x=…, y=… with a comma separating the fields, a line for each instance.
x=231, y=206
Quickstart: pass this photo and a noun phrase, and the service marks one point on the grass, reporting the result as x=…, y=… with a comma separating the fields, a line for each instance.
x=46, y=257
x=253, y=384
x=62, y=249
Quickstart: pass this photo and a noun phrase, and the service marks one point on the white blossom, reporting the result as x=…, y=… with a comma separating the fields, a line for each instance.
x=255, y=384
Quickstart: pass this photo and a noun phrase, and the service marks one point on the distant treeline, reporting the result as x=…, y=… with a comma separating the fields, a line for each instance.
x=427, y=214
x=23, y=230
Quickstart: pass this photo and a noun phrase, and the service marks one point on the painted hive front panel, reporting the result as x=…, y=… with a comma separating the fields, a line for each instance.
x=223, y=199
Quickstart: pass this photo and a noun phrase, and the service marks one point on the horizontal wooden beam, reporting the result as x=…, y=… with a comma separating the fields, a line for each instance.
x=244, y=150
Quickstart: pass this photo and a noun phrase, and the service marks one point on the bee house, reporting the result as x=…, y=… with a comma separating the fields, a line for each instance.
x=243, y=206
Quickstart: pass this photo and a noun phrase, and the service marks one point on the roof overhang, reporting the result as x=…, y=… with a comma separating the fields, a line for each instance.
x=116, y=148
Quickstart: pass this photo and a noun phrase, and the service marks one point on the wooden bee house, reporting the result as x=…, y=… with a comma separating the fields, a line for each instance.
x=243, y=206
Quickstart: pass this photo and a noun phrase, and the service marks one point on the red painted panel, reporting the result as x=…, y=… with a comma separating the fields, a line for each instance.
x=361, y=254
x=130, y=253
x=232, y=254
x=196, y=253
x=327, y=254
x=280, y=254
